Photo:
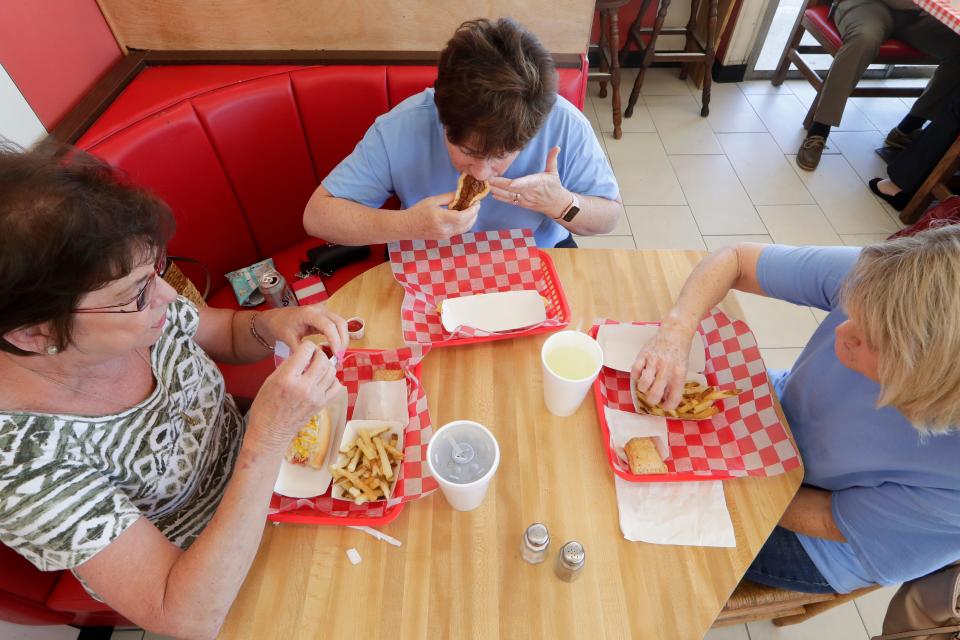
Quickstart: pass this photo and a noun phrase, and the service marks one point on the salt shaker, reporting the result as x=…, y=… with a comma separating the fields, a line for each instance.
x=533, y=546
x=570, y=561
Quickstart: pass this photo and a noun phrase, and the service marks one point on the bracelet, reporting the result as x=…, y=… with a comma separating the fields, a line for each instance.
x=256, y=335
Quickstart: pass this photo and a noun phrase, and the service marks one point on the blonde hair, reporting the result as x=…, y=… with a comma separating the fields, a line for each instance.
x=905, y=294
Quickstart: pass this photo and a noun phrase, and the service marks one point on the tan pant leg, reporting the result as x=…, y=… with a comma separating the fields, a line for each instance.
x=863, y=25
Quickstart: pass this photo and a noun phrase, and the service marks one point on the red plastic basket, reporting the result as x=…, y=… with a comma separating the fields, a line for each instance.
x=612, y=458
x=343, y=512
x=553, y=290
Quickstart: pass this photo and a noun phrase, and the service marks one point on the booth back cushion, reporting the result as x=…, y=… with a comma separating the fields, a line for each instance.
x=236, y=151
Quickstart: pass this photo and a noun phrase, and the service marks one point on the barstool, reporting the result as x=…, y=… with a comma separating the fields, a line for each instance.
x=694, y=52
x=609, y=47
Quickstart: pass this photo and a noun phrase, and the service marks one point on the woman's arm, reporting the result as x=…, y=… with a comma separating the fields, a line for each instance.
x=660, y=369
x=227, y=335
x=811, y=514
x=188, y=593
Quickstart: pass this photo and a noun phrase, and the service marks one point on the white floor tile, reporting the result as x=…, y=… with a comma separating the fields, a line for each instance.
x=605, y=242
x=680, y=126
x=715, y=242
x=873, y=607
x=885, y=113
x=591, y=113
x=819, y=314
x=858, y=147
x=730, y=111
x=735, y=632
x=127, y=634
x=10, y=631
x=153, y=636
x=660, y=81
x=855, y=120
x=775, y=323
x=763, y=169
x=863, y=239
x=780, y=359
x=716, y=197
x=783, y=115
x=803, y=90
x=662, y=227
x=799, y=225
x=844, y=198
x=761, y=87
x=643, y=170
x=840, y=623
x=639, y=122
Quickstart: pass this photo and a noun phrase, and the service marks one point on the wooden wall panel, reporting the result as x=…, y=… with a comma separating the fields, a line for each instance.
x=380, y=25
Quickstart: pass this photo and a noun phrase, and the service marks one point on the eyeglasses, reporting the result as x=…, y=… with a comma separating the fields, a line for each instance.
x=143, y=296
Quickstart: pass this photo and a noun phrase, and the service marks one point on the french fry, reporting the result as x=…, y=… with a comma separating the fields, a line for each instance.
x=366, y=466
x=697, y=403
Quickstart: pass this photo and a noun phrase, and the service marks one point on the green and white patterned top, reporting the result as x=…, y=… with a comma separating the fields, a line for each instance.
x=70, y=485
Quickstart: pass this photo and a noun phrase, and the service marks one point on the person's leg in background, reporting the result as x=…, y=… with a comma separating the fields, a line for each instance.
x=783, y=563
x=912, y=166
x=863, y=25
x=924, y=32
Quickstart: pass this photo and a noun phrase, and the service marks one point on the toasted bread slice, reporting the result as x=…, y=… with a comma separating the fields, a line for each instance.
x=642, y=456
x=469, y=192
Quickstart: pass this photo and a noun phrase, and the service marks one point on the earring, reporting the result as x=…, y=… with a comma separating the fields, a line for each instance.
x=52, y=350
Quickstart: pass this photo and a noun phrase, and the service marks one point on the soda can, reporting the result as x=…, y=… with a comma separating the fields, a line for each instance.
x=274, y=288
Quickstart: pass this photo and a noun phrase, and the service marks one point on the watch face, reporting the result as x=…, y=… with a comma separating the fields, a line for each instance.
x=572, y=213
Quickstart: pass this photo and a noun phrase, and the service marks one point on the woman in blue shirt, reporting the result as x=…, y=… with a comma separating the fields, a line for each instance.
x=873, y=402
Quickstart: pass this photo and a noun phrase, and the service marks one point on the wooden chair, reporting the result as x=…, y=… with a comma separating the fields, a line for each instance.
x=694, y=53
x=937, y=185
x=751, y=601
x=815, y=19
x=608, y=47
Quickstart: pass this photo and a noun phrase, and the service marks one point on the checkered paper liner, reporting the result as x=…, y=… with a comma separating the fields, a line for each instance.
x=745, y=439
x=946, y=11
x=431, y=271
x=414, y=480
x=309, y=290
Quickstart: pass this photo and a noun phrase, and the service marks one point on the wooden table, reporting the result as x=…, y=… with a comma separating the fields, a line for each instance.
x=459, y=575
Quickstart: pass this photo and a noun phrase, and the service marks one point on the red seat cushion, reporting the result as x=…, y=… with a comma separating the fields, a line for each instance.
x=890, y=51
x=69, y=595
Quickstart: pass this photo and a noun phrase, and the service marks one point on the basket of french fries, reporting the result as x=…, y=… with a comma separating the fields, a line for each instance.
x=725, y=426
x=385, y=427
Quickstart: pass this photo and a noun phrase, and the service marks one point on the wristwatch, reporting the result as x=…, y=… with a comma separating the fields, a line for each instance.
x=571, y=211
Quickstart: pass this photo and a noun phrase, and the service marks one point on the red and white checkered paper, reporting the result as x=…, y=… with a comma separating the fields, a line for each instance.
x=431, y=271
x=745, y=439
x=309, y=290
x=946, y=11
x=414, y=480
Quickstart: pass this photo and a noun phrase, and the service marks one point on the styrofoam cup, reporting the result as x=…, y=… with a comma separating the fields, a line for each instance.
x=484, y=458
x=563, y=396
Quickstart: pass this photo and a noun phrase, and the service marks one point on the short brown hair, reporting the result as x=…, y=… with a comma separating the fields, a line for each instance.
x=68, y=226
x=495, y=86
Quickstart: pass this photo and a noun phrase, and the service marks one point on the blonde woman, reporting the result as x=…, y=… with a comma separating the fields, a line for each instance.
x=873, y=402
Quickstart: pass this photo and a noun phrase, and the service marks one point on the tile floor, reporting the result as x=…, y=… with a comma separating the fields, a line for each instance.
x=689, y=182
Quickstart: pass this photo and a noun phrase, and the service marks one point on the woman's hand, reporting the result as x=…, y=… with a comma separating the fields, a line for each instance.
x=302, y=385
x=660, y=369
x=293, y=324
x=541, y=192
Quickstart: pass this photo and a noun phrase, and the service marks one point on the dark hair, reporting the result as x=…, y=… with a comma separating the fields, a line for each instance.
x=495, y=86
x=68, y=226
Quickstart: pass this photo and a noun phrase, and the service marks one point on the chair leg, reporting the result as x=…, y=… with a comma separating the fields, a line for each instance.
x=604, y=66
x=808, y=119
x=688, y=43
x=614, y=40
x=795, y=36
x=648, y=56
x=708, y=61
x=941, y=173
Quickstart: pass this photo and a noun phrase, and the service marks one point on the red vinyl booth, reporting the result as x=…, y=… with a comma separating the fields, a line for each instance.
x=236, y=151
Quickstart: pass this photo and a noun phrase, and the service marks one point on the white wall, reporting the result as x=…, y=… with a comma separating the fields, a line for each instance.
x=18, y=122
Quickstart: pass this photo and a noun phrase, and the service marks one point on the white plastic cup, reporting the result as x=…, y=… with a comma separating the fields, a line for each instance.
x=563, y=396
x=463, y=496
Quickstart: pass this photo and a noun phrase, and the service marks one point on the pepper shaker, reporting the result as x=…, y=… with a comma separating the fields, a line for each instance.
x=570, y=561
x=533, y=546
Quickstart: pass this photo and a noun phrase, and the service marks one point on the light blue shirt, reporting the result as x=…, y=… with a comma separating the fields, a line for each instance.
x=896, y=494
x=404, y=154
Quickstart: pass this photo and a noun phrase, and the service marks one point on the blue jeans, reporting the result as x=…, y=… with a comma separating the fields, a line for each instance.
x=783, y=563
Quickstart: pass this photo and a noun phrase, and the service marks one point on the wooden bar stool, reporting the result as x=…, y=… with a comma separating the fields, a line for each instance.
x=694, y=51
x=609, y=46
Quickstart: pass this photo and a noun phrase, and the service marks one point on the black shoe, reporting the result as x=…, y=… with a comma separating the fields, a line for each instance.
x=898, y=201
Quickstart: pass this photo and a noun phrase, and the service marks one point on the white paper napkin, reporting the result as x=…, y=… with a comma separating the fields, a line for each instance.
x=386, y=400
x=624, y=425
x=683, y=513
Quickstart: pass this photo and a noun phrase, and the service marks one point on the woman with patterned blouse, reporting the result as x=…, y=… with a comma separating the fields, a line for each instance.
x=122, y=459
